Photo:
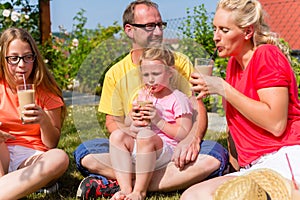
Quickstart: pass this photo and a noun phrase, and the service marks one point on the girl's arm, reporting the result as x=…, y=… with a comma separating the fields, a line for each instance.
x=178, y=130
x=50, y=125
x=49, y=120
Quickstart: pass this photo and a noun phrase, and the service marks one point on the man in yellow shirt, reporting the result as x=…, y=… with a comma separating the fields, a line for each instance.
x=194, y=159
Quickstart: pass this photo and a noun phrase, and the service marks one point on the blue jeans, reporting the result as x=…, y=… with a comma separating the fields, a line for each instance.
x=101, y=145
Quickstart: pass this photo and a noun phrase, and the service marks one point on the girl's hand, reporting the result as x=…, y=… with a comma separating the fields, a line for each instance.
x=137, y=116
x=151, y=114
x=4, y=136
x=33, y=114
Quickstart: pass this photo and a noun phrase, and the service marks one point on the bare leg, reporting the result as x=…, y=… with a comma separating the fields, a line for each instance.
x=149, y=146
x=99, y=164
x=204, y=190
x=49, y=166
x=4, y=159
x=165, y=179
x=120, y=148
x=171, y=178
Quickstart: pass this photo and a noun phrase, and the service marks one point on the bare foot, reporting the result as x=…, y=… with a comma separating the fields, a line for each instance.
x=135, y=196
x=118, y=196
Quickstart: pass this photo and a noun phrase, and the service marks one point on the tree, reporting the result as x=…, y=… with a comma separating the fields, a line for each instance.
x=45, y=24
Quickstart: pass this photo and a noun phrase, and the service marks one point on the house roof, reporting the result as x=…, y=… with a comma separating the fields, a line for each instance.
x=284, y=19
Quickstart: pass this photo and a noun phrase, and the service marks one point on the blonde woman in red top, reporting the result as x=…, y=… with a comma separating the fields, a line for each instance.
x=260, y=95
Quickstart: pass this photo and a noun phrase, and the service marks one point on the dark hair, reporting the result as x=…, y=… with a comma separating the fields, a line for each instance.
x=128, y=15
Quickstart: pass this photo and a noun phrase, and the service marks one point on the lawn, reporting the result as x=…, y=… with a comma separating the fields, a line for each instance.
x=82, y=123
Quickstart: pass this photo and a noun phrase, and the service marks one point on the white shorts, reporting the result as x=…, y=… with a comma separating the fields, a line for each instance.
x=277, y=161
x=18, y=154
x=164, y=158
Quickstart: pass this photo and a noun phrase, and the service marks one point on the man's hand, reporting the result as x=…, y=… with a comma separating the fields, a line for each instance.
x=186, y=151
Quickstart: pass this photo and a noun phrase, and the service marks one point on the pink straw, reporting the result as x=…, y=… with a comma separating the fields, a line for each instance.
x=293, y=177
x=24, y=81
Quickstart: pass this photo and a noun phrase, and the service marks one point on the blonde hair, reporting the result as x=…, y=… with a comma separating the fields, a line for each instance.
x=40, y=75
x=250, y=12
x=160, y=53
x=163, y=54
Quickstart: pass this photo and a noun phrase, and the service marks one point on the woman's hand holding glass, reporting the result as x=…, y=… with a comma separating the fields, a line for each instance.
x=205, y=85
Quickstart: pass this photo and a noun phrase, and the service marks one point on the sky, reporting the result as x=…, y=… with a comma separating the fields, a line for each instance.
x=106, y=12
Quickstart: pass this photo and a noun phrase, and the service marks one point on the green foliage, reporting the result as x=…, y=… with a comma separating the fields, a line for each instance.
x=198, y=27
x=21, y=14
x=66, y=52
x=296, y=67
x=198, y=43
x=106, y=53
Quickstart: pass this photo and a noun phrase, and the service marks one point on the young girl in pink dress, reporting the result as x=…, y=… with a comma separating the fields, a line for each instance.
x=156, y=127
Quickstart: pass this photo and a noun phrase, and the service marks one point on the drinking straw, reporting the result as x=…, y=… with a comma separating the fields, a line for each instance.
x=293, y=177
x=24, y=81
x=213, y=56
x=148, y=93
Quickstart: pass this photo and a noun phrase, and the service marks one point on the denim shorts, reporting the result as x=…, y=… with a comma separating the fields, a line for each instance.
x=101, y=145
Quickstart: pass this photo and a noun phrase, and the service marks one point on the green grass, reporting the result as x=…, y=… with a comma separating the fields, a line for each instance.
x=82, y=123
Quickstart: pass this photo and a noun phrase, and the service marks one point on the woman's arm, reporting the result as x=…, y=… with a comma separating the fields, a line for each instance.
x=269, y=113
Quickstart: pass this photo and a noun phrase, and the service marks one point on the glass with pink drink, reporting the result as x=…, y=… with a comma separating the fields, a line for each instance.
x=204, y=66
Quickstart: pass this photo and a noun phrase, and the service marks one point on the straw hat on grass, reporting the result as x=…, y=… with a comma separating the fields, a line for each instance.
x=261, y=184
x=240, y=188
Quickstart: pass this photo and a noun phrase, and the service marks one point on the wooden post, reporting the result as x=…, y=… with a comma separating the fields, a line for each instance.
x=45, y=24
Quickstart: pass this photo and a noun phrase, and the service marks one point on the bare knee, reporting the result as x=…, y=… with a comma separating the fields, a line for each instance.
x=98, y=164
x=57, y=162
x=148, y=140
x=119, y=138
x=89, y=162
x=204, y=190
x=211, y=163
